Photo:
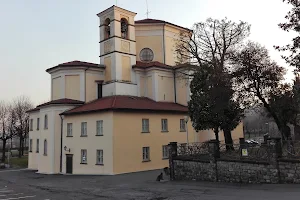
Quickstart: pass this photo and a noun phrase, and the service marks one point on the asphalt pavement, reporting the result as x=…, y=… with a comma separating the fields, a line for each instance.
x=28, y=185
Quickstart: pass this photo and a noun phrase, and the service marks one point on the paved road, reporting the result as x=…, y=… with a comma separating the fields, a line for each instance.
x=28, y=185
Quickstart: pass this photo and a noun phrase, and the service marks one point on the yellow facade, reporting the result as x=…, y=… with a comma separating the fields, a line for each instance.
x=72, y=86
x=126, y=68
x=56, y=88
x=91, y=85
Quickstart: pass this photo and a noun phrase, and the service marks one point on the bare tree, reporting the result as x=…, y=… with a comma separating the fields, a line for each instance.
x=7, y=125
x=259, y=78
x=20, y=106
x=211, y=42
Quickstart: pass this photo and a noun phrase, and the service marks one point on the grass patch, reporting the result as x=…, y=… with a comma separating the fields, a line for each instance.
x=19, y=162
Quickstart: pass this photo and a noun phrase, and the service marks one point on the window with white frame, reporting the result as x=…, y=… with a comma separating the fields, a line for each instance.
x=182, y=125
x=46, y=122
x=164, y=125
x=83, y=128
x=30, y=145
x=99, y=127
x=31, y=124
x=45, y=147
x=83, y=156
x=38, y=124
x=99, y=159
x=165, y=151
x=37, y=145
x=69, y=129
x=145, y=125
x=146, y=153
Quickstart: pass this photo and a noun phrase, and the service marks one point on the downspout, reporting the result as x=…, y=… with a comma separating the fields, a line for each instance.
x=164, y=44
x=85, y=83
x=61, y=141
x=174, y=78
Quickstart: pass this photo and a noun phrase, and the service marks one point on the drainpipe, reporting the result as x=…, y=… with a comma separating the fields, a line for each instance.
x=164, y=44
x=174, y=78
x=61, y=141
x=85, y=83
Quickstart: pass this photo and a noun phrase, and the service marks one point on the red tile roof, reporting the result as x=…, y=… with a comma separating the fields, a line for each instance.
x=77, y=63
x=57, y=102
x=127, y=103
x=157, y=21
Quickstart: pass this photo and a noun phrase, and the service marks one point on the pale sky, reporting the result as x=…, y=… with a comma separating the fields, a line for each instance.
x=39, y=34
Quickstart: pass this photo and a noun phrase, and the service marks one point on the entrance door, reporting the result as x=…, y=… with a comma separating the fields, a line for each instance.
x=69, y=164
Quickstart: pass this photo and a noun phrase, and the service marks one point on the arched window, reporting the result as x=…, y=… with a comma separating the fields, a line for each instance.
x=124, y=28
x=46, y=122
x=107, y=28
x=45, y=147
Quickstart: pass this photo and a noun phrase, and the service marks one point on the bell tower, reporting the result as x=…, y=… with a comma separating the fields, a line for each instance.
x=118, y=51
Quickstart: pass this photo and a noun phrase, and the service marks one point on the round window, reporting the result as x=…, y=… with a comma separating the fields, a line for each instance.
x=146, y=55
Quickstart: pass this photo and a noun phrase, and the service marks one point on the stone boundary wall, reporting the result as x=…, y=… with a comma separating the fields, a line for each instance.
x=277, y=170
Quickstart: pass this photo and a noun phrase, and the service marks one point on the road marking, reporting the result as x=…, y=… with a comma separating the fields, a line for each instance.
x=25, y=197
x=4, y=195
x=13, y=170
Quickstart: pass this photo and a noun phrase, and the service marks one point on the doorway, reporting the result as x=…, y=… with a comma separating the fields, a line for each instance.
x=69, y=163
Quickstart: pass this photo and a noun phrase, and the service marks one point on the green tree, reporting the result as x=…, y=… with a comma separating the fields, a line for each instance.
x=292, y=25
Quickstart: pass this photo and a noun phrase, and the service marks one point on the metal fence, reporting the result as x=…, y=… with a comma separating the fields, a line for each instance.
x=291, y=149
x=258, y=152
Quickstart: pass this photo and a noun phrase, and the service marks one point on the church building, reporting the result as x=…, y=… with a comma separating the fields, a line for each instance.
x=117, y=116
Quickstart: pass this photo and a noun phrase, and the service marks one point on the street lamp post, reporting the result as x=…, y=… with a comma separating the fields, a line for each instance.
x=186, y=119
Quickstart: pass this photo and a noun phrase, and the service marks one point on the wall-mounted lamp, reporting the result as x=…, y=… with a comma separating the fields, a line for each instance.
x=66, y=149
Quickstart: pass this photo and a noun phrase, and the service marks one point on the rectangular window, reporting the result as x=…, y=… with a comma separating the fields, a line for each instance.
x=99, y=158
x=165, y=151
x=145, y=125
x=83, y=128
x=99, y=127
x=182, y=125
x=31, y=124
x=30, y=145
x=83, y=156
x=37, y=145
x=69, y=129
x=99, y=91
x=146, y=153
x=46, y=122
x=164, y=125
x=38, y=124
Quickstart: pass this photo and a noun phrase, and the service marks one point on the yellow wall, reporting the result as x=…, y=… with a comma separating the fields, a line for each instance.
x=181, y=91
x=91, y=85
x=129, y=125
x=56, y=88
x=209, y=134
x=170, y=45
x=152, y=42
x=165, y=88
x=149, y=87
x=126, y=68
x=107, y=63
x=72, y=87
x=91, y=143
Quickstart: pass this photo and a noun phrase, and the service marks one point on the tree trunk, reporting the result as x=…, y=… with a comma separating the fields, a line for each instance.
x=20, y=146
x=216, y=130
x=3, y=151
x=23, y=144
x=228, y=139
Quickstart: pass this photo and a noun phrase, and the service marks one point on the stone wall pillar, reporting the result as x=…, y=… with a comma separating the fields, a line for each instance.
x=275, y=152
x=172, y=155
x=214, y=154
